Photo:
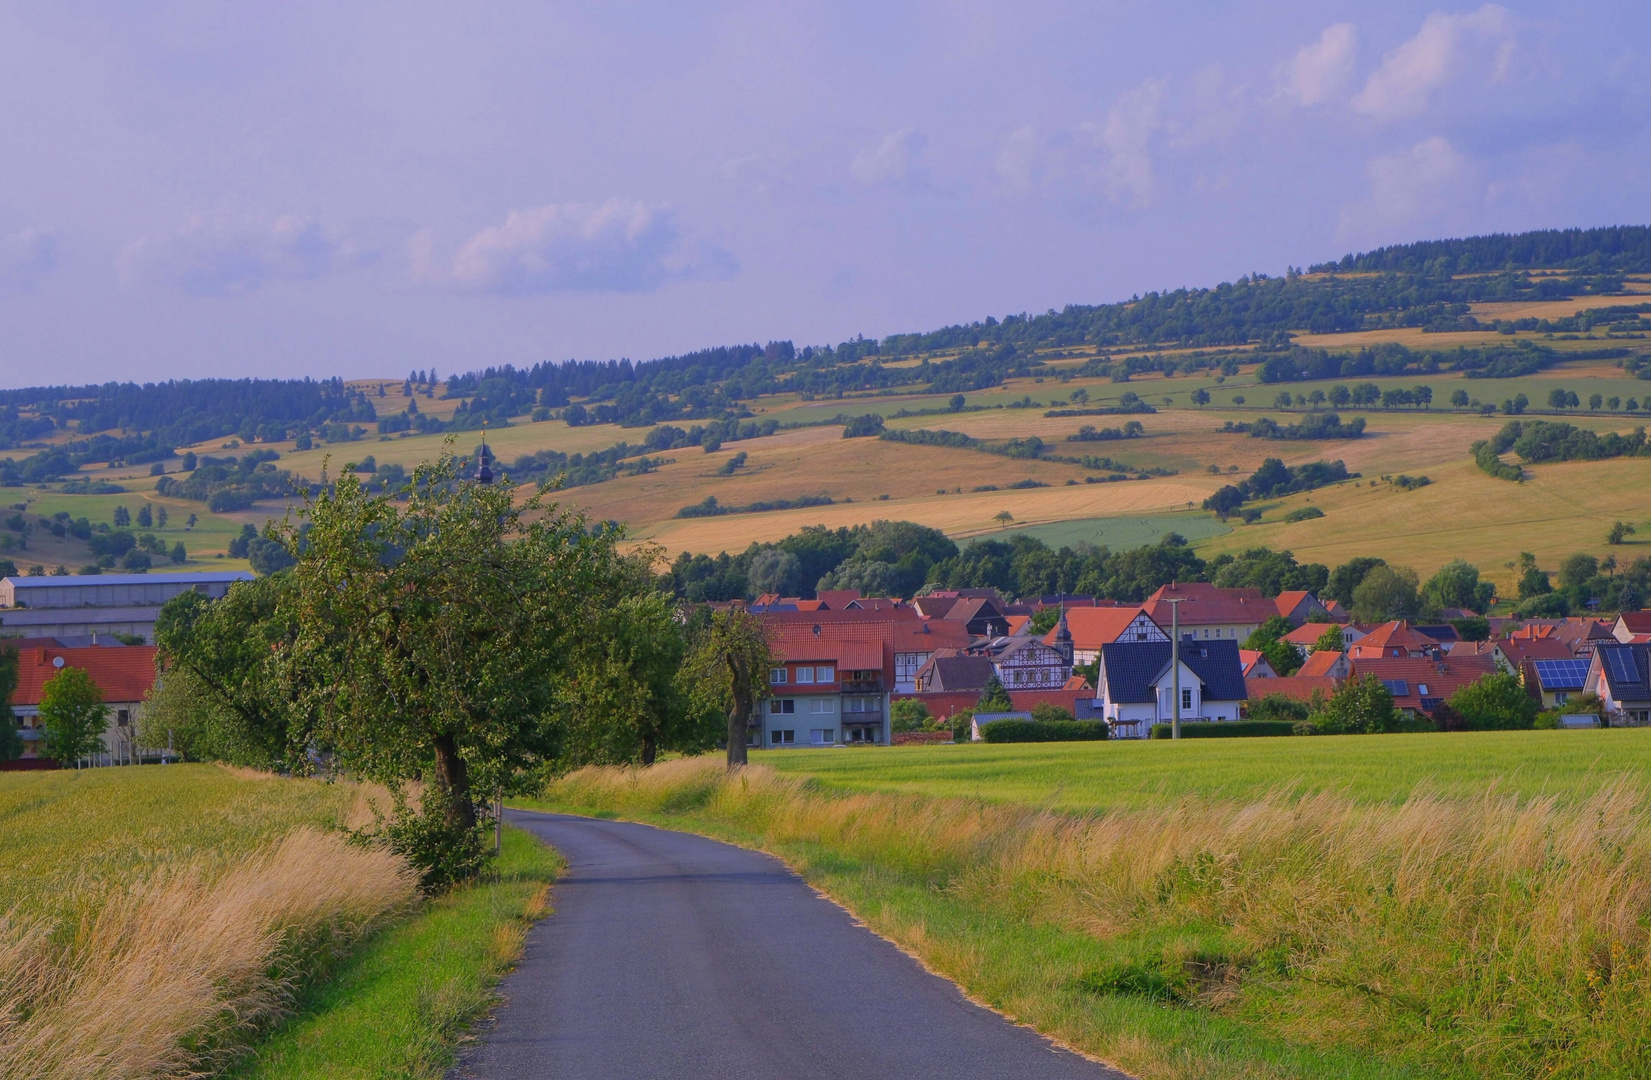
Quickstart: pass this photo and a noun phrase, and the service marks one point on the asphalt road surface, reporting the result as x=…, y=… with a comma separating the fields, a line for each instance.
x=674, y=956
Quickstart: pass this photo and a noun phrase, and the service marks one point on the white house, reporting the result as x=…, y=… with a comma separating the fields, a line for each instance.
x=1137, y=684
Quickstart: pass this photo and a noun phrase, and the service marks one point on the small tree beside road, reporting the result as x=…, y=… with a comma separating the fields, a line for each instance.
x=727, y=670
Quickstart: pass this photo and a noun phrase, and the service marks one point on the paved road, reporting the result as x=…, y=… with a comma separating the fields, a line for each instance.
x=674, y=956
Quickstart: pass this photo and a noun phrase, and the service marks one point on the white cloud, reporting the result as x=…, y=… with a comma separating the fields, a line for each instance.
x=26, y=258
x=1429, y=184
x=1319, y=71
x=891, y=159
x=1018, y=160
x=219, y=255
x=615, y=246
x=1446, y=47
x=1126, y=138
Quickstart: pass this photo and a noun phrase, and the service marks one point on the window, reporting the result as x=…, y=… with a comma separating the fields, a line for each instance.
x=1421, y=688
x=780, y=738
x=1140, y=635
x=824, y=674
x=822, y=705
x=780, y=706
x=906, y=665
x=1186, y=700
x=776, y=676
x=823, y=736
x=805, y=674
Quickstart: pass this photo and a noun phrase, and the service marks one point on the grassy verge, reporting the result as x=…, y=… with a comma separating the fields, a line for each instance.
x=1470, y=935
x=158, y=918
x=401, y=1005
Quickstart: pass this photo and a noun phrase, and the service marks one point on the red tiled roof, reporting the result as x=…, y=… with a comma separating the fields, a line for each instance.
x=1393, y=635
x=1210, y=605
x=122, y=674
x=1290, y=599
x=837, y=599
x=1308, y=633
x=1518, y=650
x=1094, y=627
x=1636, y=622
x=850, y=647
x=1318, y=664
x=928, y=635
x=1441, y=677
x=1247, y=659
x=1295, y=687
x=1017, y=623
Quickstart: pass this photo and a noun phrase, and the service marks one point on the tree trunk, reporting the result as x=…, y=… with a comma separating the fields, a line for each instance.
x=650, y=749
x=453, y=776
x=740, y=715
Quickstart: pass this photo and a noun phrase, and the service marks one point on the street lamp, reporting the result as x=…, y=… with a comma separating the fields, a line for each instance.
x=1175, y=661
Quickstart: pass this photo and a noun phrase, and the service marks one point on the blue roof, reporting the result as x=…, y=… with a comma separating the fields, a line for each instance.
x=1133, y=667
x=206, y=577
x=1562, y=674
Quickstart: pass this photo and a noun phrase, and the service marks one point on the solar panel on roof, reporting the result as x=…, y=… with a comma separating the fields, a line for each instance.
x=1397, y=687
x=1623, y=668
x=1562, y=673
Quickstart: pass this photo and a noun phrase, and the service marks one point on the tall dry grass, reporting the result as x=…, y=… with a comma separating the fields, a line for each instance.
x=1493, y=935
x=169, y=976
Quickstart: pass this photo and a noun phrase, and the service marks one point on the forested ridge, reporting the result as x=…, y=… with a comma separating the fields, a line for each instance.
x=1406, y=286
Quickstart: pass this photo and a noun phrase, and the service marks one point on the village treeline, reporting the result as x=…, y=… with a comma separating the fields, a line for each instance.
x=455, y=645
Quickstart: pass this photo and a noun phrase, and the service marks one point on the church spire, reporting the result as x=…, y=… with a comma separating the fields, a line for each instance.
x=484, y=474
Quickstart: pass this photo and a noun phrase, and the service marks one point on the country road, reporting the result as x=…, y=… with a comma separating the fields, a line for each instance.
x=673, y=956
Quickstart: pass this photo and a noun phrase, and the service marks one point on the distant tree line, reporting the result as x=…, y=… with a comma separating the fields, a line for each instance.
x=1617, y=248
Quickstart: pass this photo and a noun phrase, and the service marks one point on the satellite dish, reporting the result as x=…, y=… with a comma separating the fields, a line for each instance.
x=57, y=661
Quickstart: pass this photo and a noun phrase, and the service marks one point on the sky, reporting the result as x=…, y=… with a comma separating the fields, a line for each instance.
x=363, y=189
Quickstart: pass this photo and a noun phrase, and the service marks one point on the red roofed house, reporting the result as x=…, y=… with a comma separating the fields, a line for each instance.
x=1211, y=612
x=1631, y=626
x=1299, y=606
x=1394, y=640
x=1094, y=628
x=1421, y=685
x=1255, y=665
x=1324, y=664
x=1304, y=637
x=124, y=675
x=1512, y=652
x=831, y=685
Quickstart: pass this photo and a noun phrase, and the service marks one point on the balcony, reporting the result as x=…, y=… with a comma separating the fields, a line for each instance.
x=873, y=685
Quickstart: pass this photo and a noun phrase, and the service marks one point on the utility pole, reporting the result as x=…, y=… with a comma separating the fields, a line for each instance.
x=1175, y=662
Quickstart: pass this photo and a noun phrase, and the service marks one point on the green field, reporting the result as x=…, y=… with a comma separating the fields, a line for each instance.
x=1122, y=533
x=1130, y=773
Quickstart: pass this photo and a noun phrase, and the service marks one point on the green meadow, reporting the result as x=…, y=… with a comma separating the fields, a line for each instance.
x=1126, y=774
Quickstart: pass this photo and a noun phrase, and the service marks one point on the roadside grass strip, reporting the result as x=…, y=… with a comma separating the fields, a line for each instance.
x=1479, y=934
x=403, y=1004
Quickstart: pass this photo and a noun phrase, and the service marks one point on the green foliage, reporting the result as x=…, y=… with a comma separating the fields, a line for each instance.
x=1270, y=571
x=1386, y=594
x=1283, y=656
x=1358, y=707
x=909, y=714
x=994, y=698
x=1279, y=707
x=1302, y=513
x=1620, y=531
x=1476, y=628
x=223, y=697
x=1332, y=640
x=1044, y=620
x=860, y=427
x=10, y=745
x=1457, y=585
x=1023, y=731
x=443, y=638
x=73, y=715
x=1046, y=713
x=1348, y=576
x=1228, y=729
x=1493, y=703
x=725, y=672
